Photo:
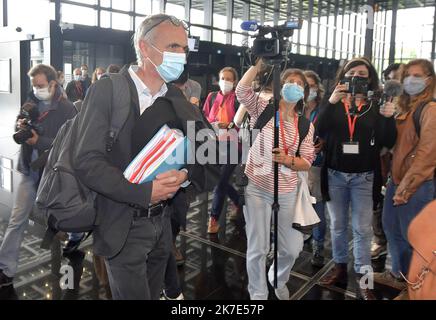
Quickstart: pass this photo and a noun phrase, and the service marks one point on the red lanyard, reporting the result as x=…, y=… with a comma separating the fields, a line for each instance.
x=282, y=131
x=351, y=123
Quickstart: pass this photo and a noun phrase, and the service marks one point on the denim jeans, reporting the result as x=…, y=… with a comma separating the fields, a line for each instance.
x=315, y=190
x=320, y=230
x=351, y=191
x=75, y=236
x=222, y=189
x=23, y=203
x=396, y=221
x=257, y=213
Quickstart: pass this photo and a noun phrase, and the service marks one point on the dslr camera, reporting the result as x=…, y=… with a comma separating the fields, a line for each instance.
x=30, y=114
x=356, y=85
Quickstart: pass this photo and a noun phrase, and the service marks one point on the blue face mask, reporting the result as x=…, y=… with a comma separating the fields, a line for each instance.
x=172, y=65
x=414, y=85
x=292, y=92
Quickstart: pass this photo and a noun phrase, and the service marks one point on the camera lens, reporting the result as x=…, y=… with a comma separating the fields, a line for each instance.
x=22, y=135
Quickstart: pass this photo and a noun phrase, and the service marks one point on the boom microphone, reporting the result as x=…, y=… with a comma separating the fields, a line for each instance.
x=392, y=88
x=250, y=25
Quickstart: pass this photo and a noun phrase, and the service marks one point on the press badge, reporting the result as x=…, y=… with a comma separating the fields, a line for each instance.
x=350, y=147
x=285, y=170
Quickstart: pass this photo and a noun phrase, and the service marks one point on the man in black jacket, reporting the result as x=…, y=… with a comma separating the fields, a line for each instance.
x=49, y=110
x=132, y=232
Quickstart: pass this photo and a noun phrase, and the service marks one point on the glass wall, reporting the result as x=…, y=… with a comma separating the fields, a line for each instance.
x=414, y=34
x=93, y=54
x=331, y=28
x=25, y=18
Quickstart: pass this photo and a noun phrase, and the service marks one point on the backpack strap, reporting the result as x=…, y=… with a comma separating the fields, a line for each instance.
x=213, y=96
x=120, y=107
x=264, y=117
x=49, y=234
x=417, y=116
x=303, y=130
x=236, y=104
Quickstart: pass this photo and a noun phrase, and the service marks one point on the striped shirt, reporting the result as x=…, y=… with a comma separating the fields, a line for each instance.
x=260, y=168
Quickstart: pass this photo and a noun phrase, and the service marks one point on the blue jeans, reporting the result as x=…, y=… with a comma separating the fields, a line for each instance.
x=75, y=236
x=222, y=189
x=23, y=203
x=396, y=221
x=320, y=230
x=257, y=213
x=351, y=190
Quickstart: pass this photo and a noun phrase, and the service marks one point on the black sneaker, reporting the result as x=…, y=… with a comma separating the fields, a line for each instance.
x=5, y=281
x=317, y=256
x=317, y=260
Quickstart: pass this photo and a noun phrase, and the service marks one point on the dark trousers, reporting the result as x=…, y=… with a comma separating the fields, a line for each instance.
x=172, y=283
x=320, y=230
x=222, y=189
x=137, y=271
x=377, y=225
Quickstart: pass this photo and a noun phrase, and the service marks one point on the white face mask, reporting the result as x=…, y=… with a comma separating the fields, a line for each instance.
x=312, y=95
x=77, y=77
x=42, y=94
x=98, y=76
x=225, y=86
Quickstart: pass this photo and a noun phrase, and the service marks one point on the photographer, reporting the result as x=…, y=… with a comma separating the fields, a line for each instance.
x=39, y=120
x=411, y=186
x=355, y=129
x=260, y=189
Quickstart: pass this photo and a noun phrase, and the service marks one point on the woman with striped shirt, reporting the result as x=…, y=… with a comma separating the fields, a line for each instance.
x=260, y=189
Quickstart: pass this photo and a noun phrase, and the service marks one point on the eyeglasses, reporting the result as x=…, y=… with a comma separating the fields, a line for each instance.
x=163, y=17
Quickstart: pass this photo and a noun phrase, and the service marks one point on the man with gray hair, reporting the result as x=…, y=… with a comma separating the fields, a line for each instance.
x=133, y=232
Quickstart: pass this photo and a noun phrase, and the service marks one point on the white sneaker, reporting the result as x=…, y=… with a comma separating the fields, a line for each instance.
x=282, y=293
x=165, y=297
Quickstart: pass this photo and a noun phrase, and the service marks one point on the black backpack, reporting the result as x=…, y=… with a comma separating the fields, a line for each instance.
x=62, y=200
x=417, y=116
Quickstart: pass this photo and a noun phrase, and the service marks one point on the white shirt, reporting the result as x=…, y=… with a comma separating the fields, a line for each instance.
x=144, y=95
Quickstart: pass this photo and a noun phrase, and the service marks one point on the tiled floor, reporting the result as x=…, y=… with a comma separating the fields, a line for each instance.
x=214, y=267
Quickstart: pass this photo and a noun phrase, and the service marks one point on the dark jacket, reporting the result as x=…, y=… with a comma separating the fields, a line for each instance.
x=75, y=91
x=373, y=131
x=103, y=172
x=59, y=112
x=86, y=83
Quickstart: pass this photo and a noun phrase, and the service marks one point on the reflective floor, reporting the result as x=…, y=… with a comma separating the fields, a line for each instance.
x=214, y=265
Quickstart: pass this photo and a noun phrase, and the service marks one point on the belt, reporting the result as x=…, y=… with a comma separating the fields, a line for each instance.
x=152, y=211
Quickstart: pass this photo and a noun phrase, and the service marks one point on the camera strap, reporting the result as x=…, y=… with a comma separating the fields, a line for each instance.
x=43, y=115
x=351, y=123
